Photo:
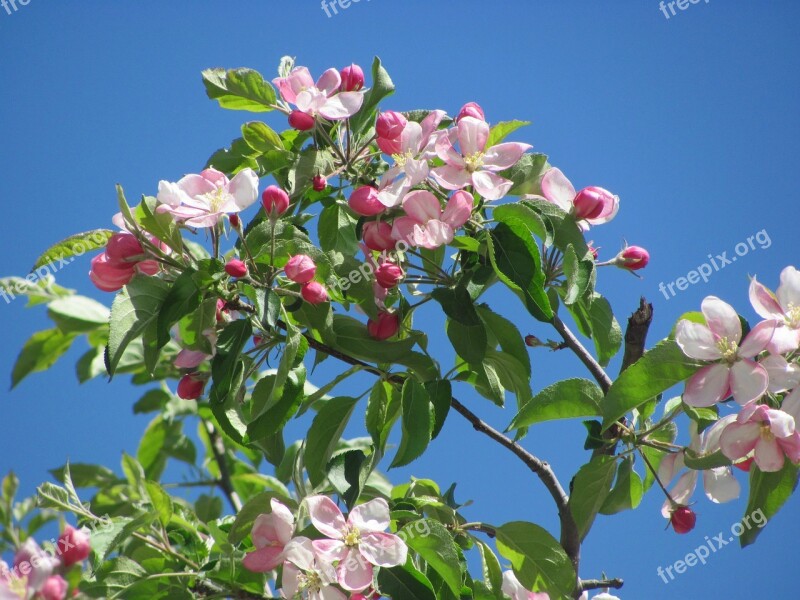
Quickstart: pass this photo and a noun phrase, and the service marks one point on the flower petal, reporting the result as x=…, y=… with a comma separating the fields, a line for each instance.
x=749, y=381
x=783, y=375
x=769, y=455
x=244, y=188
x=370, y=516
x=264, y=559
x=451, y=177
x=458, y=209
x=326, y=516
x=196, y=185
x=472, y=135
x=504, y=156
x=722, y=319
x=491, y=186
x=422, y=206
x=789, y=290
x=791, y=405
x=696, y=340
x=739, y=439
x=720, y=485
x=558, y=189
x=342, y=105
x=764, y=301
x=781, y=423
x=329, y=81
x=353, y=572
x=758, y=339
x=384, y=549
x=708, y=386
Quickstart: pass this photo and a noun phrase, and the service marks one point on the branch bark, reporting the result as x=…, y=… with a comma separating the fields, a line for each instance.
x=225, y=483
x=572, y=342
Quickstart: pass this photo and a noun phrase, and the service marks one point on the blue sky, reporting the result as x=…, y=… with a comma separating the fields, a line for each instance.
x=692, y=120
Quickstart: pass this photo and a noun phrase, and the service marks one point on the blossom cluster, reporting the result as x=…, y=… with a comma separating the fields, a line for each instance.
x=322, y=568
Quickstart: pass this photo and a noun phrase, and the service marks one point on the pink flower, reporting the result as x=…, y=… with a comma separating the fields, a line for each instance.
x=590, y=206
x=385, y=326
x=270, y=533
x=377, y=235
x=474, y=163
x=769, y=433
x=389, y=125
x=411, y=152
x=720, y=341
x=300, y=268
x=314, y=293
x=357, y=543
x=301, y=121
x=202, y=200
x=388, y=274
x=783, y=307
x=73, y=545
x=471, y=109
x=352, y=78
x=319, y=183
x=364, y=201
x=33, y=562
x=108, y=278
x=683, y=519
x=123, y=250
x=306, y=575
x=274, y=200
x=191, y=386
x=425, y=224
x=54, y=588
x=322, y=98
x=632, y=258
x=236, y=268
x=513, y=588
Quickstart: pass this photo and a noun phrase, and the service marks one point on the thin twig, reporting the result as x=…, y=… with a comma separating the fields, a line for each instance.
x=225, y=483
x=597, y=584
x=583, y=354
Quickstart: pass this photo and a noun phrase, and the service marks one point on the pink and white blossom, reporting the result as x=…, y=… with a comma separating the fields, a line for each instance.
x=322, y=98
x=425, y=224
x=768, y=433
x=271, y=533
x=202, y=200
x=733, y=371
x=357, y=543
x=514, y=589
x=591, y=206
x=307, y=575
x=782, y=306
x=474, y=163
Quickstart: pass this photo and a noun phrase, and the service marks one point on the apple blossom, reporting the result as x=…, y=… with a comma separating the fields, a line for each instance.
x=514, y=589
x=41, y=564
x=306, y=575
x=74, y=545
x=471, y=109
x=474, y=163
x=590, y=206
x=236, y=268
x=202, y=200
x=54, y=588
x=388, y=274
x=107, y=277
x=300, y=268
x=721, y=340
x=270, y=534
x=352, y=78
x=274, y=200
x=314, y=293
x=377, y=235
x=425, y=224
x=632, y=258
x=357, y=543
x=190, y=387
x=364, y=201
x=389, y=125
x=769, y=433
x=319, y=183
x=321, y=98
x=783, y=306
x=682, y=519
x=123, y=249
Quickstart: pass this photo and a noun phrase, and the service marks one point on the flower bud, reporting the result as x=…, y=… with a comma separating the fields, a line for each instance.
x=532, y=341
x=390, y=125
x=388, y=275
x=301, y=121
x=593, y=202
x=300, y=268
x=123, y=249
x=191, y=386
x=234, y=220
x=236, y=268
x=314, y=293
x=364, y=201
x=352, y=78
x=385, y=326
x=378, y=236
x=274, y=200
x=107, y=277
x=471, y=109
x=319, y=183
x=220, y=310
x=74, y=545
x=148, y=267
x=632, y=258
x=683, y=519
x=54, y=588
x=390, y=147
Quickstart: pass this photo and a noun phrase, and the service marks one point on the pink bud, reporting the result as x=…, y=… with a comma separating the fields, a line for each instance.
x=275, y=200
x=319, y=183
x=378, y=235
x=352, y=78
x=234, y=220
x=683, y=519
x=54, y=588
x=218, y=178
x=148, y=267
x=74, y=546
x=314, y=293
x=593, y=202
x=301, y=121
x=300, y=268
x=632, y=258
x=388, y=275
x=386, y=325
x=364, y=201
x=191, y=386
x=593, y=250
x=107, y=277
x=390, y=125
x=236, y=268
x=221, y=309
x=123, y=249
x=471, y=109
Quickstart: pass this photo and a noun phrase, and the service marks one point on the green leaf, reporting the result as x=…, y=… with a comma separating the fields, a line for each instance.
x=441, y=394
x=308, y=164
x=134, y=311
x=658, y=370
x=183, y=298
x=348, y=473
x=437, y=548
x=324, y=434
x=239, y=89
x=405, y=583
x=704, y=462
x=492, y=572
x=568, y=399
x=590, y=488
x=417, y=421
x=226, y=368
x=382, y=86
x=768, y=493
x=113, y=578
x=84, y=475
x=245, y=518
x=40, y=353
x=161, y=225
x=539, y=561
x=383, y=407
x=515, y=257
x=606, y=332
x=527, y=174
x=208, y=508
x=502, y=130
x=78, y=314
x=74, y=246
x=469, y=341
x=521, y=212
x=337, y=230
x=627, y=492
x=106, y=539
x=507, y=335
x=260, y=136
x=160, y=500
x=352, y=338
x=280, y=409
x=578, y=274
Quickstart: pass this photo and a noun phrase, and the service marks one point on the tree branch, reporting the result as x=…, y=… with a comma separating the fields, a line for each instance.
x=596, y=584
x=636, y=333
x=583, y=354
x=225, y=483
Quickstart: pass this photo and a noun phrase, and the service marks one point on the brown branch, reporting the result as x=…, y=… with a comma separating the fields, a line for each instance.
x=636, y=333
x=225, y=483
x=597, y=584
x=583, y=354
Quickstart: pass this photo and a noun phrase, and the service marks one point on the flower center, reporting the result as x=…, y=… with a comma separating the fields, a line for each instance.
x=728, y=349
x=766, y=433
x=216, y=199
x=18, y=586
x=473, y=162
x=402, y=159
x=793, y=316
x=308, y=582
x=352, y=537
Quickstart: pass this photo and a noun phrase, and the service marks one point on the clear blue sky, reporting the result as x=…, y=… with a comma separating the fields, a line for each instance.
x=692, y=120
